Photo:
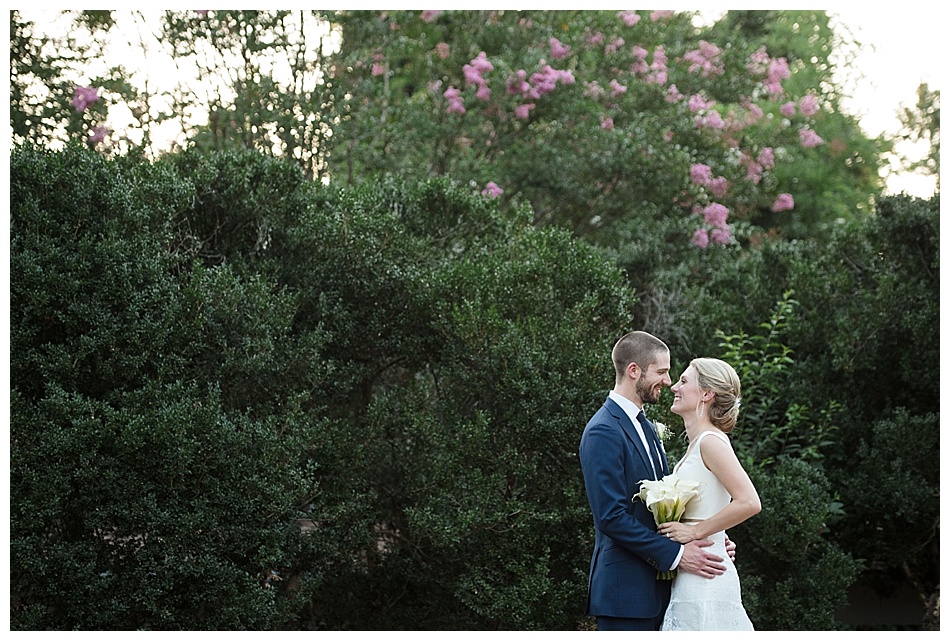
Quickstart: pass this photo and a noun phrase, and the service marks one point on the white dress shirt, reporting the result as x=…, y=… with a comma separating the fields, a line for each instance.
x=632, y=411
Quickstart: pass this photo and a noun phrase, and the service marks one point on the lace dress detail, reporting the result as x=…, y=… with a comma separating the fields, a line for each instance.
x=698, y=603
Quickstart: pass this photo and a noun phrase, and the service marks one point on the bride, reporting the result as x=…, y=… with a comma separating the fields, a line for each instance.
x=707, y=397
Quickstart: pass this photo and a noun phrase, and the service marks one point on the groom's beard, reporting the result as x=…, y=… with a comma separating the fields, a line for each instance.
x=648, y=393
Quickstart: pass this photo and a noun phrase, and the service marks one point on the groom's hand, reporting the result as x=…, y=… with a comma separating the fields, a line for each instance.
x=731, y=548
x=696, y=560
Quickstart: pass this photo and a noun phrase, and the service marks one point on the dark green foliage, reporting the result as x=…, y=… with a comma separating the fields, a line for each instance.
x=798, y=577
x=210, y=352
x=241, y=400
x=878, y=354
x=844, y=378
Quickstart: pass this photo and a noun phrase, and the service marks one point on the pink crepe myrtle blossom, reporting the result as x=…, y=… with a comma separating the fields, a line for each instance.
x=758, y=62
x=715, y=214
x=778, y=71
x=378, y=69
x=700, y=238
x=721, y=235
x=545, y=81
x=639, y=67
x=606, y=122
x=700, y=174
x=668, y=136
x=630, y=18
x=673, y=94
x=755, y=113
x=809, y=138
x=784, y=202
x=753, y=168
x=713, y=120
x=766, y=158
x=483, y=93
x=442, y=49
x=475, y=68
x=492, y=190
x=595, y=39
x=83, y=97
x=698, y=103
x=617, y=89
x=705, y=60
x=430, y=15
x=613, y=47
x=809, y=105
x=97, y=135
x=559, y=50
x=788, y=109
x=517, y=83
x=660, y=15
x=640, y=63
x=523, y=110
x=454, y=97
x=718, y=186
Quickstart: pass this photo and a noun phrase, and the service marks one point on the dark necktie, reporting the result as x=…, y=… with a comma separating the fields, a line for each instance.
x=649, y=431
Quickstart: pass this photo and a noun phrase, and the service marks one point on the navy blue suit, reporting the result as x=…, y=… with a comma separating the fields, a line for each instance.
x=627, y=550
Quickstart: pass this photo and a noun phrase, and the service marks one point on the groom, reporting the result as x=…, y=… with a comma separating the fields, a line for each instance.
x=619, y=449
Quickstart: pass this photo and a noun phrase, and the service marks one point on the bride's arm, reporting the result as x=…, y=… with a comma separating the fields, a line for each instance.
x=720, y=459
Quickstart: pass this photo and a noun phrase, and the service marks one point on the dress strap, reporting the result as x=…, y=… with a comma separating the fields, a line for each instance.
x=718, y=435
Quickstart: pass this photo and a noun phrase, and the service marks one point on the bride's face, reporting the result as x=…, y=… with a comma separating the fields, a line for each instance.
x=686, y=393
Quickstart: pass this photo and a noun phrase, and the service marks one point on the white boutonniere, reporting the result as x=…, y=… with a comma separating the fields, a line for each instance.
x=662, y=432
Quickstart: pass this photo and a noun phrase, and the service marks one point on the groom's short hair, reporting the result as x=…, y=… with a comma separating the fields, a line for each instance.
x=636, y=347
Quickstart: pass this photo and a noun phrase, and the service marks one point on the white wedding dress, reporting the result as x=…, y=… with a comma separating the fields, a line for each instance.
x=698, y=603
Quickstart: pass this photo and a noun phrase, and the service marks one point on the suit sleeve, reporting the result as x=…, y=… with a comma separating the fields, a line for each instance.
x=605, y=478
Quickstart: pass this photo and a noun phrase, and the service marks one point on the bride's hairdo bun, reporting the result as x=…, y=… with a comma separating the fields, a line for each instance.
x=720, y=378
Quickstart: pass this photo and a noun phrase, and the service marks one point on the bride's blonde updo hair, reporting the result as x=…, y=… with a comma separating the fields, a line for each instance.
x=720, y=378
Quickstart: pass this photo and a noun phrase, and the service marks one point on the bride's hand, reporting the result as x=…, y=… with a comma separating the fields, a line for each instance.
x=677, y=532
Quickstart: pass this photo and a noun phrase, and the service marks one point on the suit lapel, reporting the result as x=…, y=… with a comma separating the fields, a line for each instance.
x=628, y=428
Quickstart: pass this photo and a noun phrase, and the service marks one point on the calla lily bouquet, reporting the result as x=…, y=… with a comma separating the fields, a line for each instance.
x=667, y=499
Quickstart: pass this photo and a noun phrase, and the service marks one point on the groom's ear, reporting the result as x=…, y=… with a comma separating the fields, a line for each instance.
x=633, y=370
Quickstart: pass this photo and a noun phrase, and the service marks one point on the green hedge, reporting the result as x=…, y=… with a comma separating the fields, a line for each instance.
x=243, y=400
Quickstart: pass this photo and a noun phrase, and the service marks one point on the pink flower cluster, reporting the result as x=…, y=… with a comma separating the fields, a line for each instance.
x=760, y=63
x=658, y=68
x=660, y=15
x=454, y=97
x=492, y=190
x=442, y=50
x=778, y=71
x=809, y=138
x=540, y=83
x=473, y=75
x=784, y=202
x=630, y=18
x=430, y=16
x=755, y=166
x=558, y=49
x=83, y=97
x=701, y=175
x=706, y=60
x=714, y=215
x=613, y=47
x=809, y=105
x=97, y=135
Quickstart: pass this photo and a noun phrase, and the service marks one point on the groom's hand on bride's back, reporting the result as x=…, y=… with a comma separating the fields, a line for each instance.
x=696, y=560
